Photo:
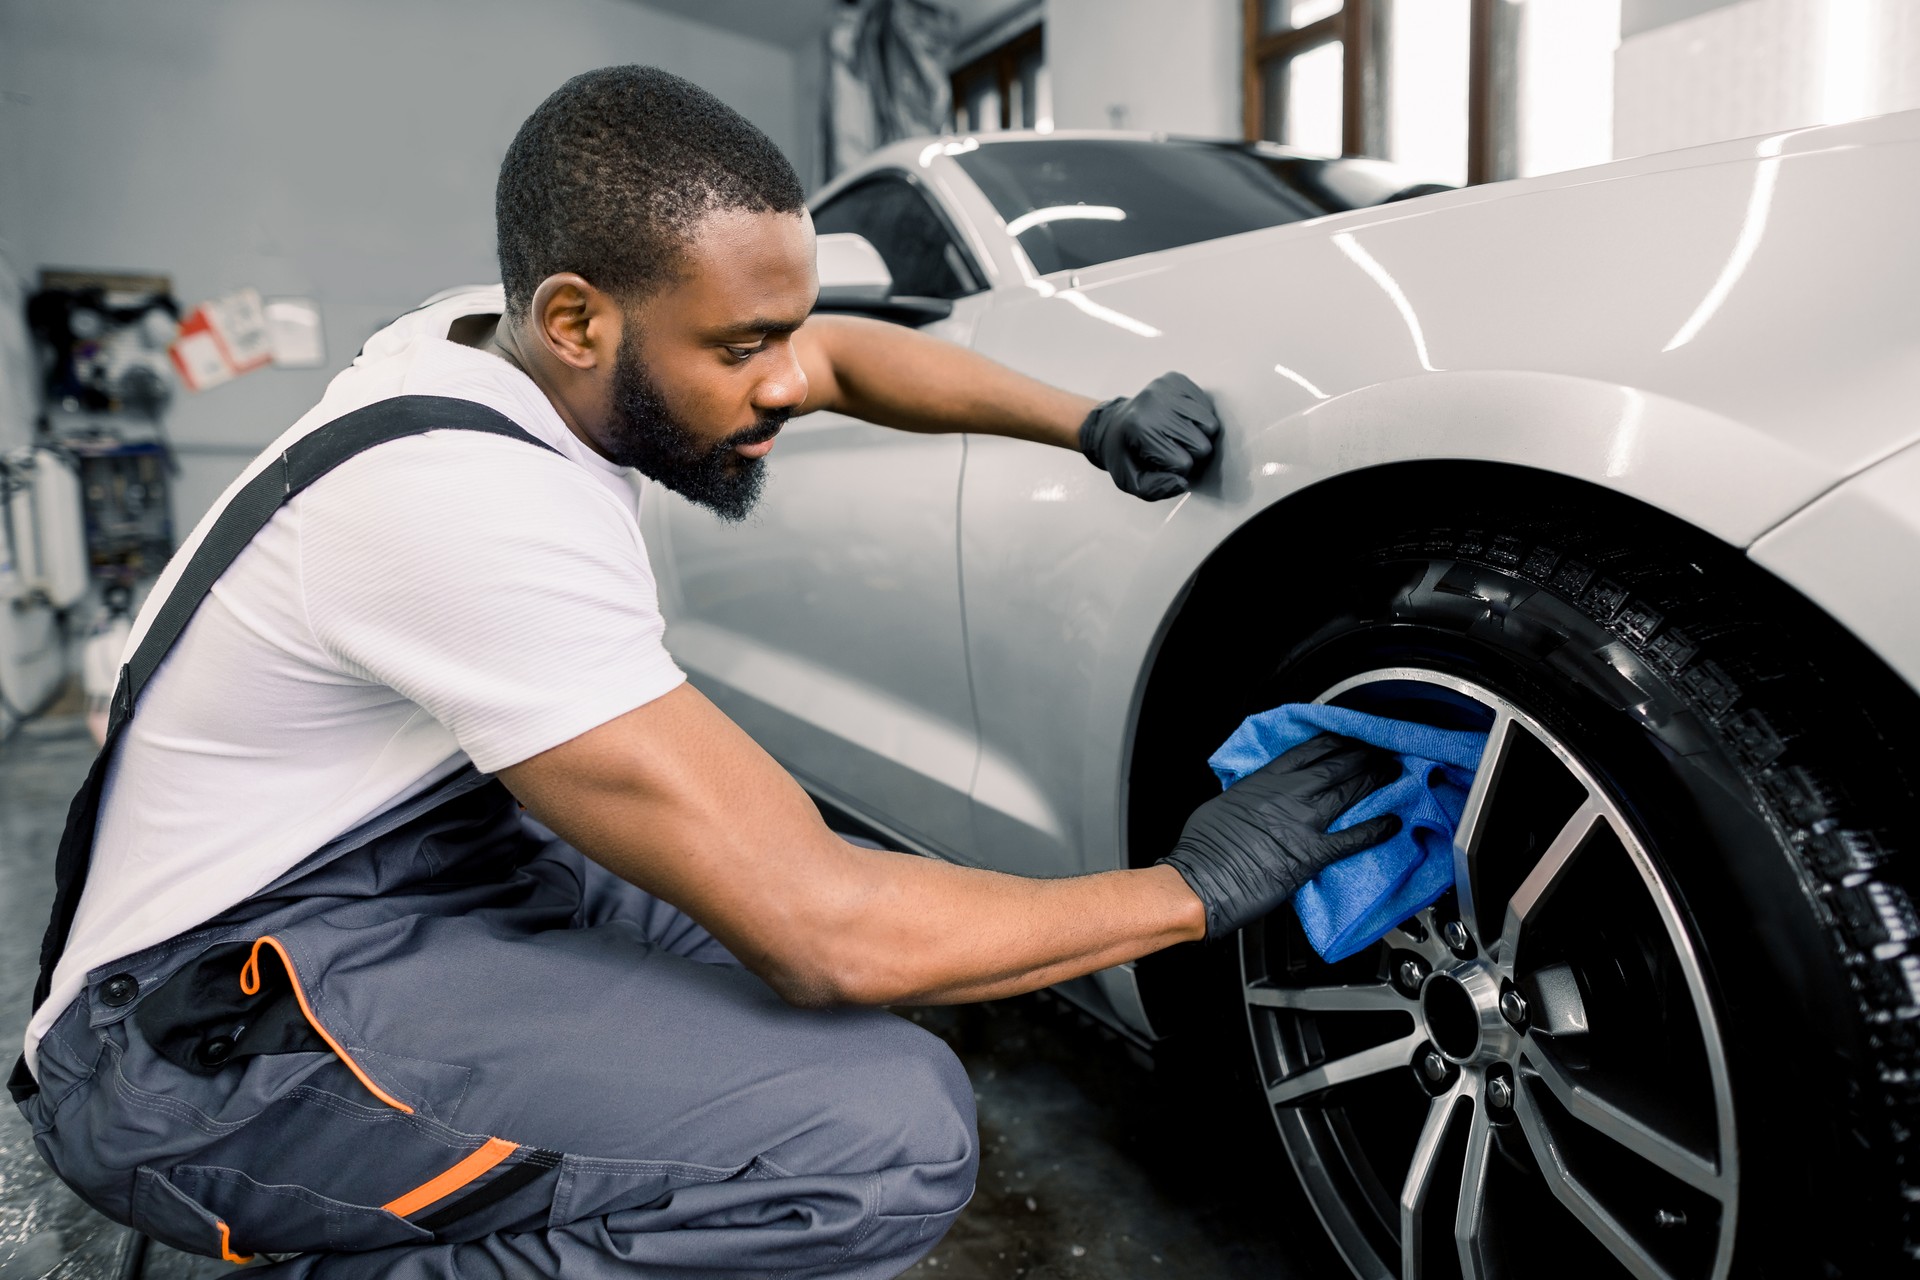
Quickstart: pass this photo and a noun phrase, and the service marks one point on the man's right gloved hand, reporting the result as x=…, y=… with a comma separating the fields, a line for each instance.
x=1154, y=444
x=1245, y=851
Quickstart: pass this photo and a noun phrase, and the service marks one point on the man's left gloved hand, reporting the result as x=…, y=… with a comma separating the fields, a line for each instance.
x=1154, y=444
x=1246, y=850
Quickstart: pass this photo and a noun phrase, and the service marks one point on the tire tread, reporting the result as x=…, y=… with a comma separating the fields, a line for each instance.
x=1727, y=670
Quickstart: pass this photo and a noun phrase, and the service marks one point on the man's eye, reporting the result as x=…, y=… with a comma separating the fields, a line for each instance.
x=741, y=353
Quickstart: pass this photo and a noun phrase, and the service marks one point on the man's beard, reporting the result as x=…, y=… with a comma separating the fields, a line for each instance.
x=647, y=437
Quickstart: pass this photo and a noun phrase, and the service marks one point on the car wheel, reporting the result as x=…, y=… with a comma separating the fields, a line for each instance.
x=1556, y=1025
x=1662, y=1026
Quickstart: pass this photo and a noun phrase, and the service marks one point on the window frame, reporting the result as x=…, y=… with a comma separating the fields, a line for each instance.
x=1363, y=28
x=976, y=281
x=1004, y=61
x=1356, y=24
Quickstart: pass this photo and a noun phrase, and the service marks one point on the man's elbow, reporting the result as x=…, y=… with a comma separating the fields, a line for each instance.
x=823, y=979
x=804, y=987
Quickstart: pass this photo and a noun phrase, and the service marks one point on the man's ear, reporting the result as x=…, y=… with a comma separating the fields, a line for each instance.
x=577, y=323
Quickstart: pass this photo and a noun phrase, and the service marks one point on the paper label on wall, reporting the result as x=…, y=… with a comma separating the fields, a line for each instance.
x=222, y=339
x=199, y=359
x=240, y=323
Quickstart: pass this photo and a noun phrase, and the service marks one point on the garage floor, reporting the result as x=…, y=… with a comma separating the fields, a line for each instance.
x=1092, y=1164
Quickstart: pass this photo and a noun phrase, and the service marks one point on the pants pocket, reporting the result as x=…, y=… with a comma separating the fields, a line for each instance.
x=590, y=1187
x=163, y=1212
x=237, y=1215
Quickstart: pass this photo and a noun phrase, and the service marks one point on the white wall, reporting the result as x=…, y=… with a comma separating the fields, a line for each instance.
x=1759, y=66
x=1169, y=65
x=1567, y=52
x=342, y=151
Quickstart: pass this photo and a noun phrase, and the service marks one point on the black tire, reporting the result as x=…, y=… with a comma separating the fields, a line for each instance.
x=1757, y=748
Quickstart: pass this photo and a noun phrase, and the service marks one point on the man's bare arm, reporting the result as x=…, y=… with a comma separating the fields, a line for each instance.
x=1154, y=444
x=675, y=798
x=899, y=377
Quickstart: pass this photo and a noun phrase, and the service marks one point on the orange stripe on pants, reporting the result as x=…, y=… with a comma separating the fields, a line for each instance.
x=491, y=1153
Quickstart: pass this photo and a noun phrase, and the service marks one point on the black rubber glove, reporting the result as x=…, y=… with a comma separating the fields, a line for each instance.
x=1245, y=851
x=1154, y=444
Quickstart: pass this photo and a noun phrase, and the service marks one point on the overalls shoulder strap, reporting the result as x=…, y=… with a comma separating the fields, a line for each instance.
x=305, y=461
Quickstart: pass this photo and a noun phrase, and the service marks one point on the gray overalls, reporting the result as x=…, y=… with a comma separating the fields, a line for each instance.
x=447, y=1044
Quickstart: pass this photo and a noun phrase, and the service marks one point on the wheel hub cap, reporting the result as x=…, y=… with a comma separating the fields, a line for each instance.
x=1461, y=1007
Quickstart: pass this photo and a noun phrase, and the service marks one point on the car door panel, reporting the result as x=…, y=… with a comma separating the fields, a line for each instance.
x=828, y=626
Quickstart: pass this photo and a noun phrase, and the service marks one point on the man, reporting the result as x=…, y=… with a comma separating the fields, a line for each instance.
x=327, y=991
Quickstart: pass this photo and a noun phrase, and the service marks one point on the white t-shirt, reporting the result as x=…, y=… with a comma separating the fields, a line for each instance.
x=448, y=597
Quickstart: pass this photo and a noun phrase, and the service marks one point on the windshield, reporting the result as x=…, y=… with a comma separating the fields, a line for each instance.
x=1073, y=202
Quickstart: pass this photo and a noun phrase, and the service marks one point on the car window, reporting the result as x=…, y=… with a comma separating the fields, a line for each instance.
x=909, y=235
x=1073, y=202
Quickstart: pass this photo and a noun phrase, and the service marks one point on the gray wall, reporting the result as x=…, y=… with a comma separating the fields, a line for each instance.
x=1146, y=64
x=18, y=401
x=342, y=151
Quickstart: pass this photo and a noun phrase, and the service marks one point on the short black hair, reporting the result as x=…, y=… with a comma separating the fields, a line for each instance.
x=609, y=176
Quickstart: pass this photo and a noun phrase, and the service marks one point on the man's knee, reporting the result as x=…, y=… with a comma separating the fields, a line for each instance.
x=945, y=1130
x=906, y=1111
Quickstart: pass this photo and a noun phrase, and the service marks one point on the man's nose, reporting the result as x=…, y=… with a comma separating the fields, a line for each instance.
x=785, y=383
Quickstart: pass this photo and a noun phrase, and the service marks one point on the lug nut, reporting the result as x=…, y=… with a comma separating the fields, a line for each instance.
x=1669, y=1218
x=1499, y=1093
x=1458, y=940
x=1513, y=1007
x=1433, y=1066
x=1413, y=972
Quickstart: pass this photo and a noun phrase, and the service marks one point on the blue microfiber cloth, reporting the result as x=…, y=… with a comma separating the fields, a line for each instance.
x=1353, y=903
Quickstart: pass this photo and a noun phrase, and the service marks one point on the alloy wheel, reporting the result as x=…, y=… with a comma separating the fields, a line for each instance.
x=1526, y=1078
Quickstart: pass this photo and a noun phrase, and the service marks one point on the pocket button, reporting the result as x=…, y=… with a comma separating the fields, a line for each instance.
x=216, y=1051
x=118, y=990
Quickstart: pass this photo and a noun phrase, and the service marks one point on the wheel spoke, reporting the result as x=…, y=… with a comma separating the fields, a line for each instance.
x=1579, y=1201
x=1629, y=1131
x=1467, y=836
x=1360, y=997
x=1413, y=1192
x=1355, y=1066
x=1470, y=1219
x=1545, y=877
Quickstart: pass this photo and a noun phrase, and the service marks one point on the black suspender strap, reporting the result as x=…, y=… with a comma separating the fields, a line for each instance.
x=305, y=461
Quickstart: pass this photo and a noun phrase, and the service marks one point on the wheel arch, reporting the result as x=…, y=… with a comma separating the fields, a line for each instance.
x=1325, y=511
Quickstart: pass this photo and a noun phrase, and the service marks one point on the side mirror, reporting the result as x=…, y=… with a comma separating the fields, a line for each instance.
x=854, y=279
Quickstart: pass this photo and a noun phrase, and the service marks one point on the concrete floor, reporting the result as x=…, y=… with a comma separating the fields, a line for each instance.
x=1093, y=1164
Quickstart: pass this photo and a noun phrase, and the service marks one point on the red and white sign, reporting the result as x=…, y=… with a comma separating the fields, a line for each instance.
x=222, y=339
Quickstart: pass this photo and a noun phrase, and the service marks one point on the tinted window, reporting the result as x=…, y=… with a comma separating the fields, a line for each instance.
x=909, y=235
x=1077, y=201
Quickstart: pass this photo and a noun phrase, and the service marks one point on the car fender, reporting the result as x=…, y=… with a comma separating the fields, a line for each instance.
x=1636, y=442
x=1641, y=445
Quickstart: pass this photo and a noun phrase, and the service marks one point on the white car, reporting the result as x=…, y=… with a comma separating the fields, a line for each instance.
x=1619, y=465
